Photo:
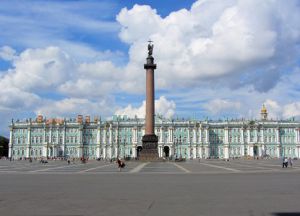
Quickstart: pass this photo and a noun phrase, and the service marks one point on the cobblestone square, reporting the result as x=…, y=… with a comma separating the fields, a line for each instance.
x=208, y=187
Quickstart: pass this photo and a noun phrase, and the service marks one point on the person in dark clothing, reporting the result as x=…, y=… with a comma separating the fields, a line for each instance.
x=121, y=164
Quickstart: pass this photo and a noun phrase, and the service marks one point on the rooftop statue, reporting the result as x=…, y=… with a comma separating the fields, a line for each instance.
x=150, y=48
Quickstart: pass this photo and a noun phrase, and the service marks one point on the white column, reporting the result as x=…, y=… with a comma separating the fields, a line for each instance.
x=104, y=137
x=98, y=148
x=28, y=141
x=134, y=151
x=226, y=152
x=116, y=152
x=118, y=142
x=161, y=135
x=80, y=151
x=226, y=143
x=207, y=152
x=64, y=140
x=44, y=152
x=44, y=135
x=248, y=136
x=10, y=145
x=110, y=135
x=250, y=152
x=171, y=150
x=194, y=151
x=262, y=134
x=104, y=151
x=200, y=136
x=277, y=136
x=194, y=135
x=226, y=136
x=200, y=152
x=110, y=151
x=256, y=135
x=135, y=135
x=259, y=151
x=50, y=134
x=206, y=135
x=160, y=151
x=278, y=151
x=242, y=142
x=296, y=135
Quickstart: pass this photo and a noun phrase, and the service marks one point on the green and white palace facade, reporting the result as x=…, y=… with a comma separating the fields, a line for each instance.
x=122, y=137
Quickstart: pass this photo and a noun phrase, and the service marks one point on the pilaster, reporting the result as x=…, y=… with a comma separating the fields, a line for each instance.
x=10, y=145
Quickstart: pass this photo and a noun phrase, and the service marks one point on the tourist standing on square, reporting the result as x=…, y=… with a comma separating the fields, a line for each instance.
x=290, y=161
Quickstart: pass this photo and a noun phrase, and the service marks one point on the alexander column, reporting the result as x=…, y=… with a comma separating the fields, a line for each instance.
x=150, y=151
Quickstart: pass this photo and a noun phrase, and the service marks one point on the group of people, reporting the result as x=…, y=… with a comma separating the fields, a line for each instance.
x=287, y=162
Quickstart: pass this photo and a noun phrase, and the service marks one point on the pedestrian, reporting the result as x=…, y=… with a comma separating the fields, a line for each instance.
x=290, y=161
x=283, y=162
x=286, y=162
x=121, y=164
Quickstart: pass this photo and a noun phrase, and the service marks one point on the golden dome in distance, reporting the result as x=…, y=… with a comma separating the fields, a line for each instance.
x=264, y=109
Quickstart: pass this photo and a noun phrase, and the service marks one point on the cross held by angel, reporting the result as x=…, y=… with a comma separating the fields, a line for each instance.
x=150, y=48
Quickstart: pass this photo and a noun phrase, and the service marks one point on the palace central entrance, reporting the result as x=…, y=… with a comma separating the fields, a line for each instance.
x=166, y=151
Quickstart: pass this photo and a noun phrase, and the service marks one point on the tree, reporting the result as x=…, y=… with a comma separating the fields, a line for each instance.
x=3, y=146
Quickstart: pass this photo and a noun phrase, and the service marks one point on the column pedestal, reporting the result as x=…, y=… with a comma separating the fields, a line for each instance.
x=149, y=151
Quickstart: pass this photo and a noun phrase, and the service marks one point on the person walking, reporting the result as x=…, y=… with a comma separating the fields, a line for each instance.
x=286, y=162
x=290, y=161
x=119, y=162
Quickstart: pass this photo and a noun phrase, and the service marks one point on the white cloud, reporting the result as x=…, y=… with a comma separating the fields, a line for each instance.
x=7, y=53
x=217, y=106
x=163, y=107
x=233, y=39
x=39, y=69
x=274, y=109
x=291, y=110
x=74, y=106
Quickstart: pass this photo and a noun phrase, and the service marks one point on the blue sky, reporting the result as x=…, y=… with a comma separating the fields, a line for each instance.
x=216, y=59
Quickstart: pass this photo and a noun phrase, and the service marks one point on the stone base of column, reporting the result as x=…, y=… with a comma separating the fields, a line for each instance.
x=150, y=150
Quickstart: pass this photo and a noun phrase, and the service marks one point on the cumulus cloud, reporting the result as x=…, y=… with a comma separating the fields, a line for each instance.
x=217, y=106
x=284, y=111
x=163, y=107
x=291, y=110
x=39, y=69
x=213, y=47
x=7, y=53
x=235, y=39
x=74, y=106
x=274, y=109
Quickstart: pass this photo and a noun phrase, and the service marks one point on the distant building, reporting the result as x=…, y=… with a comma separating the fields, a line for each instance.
x=121, y=137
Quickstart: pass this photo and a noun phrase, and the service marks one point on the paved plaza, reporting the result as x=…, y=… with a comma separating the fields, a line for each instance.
x=208, y=187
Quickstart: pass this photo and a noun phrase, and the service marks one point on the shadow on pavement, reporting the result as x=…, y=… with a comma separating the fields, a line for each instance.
x=287, y=214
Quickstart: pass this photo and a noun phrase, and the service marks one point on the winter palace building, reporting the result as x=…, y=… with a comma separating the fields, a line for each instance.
x=122, y=137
